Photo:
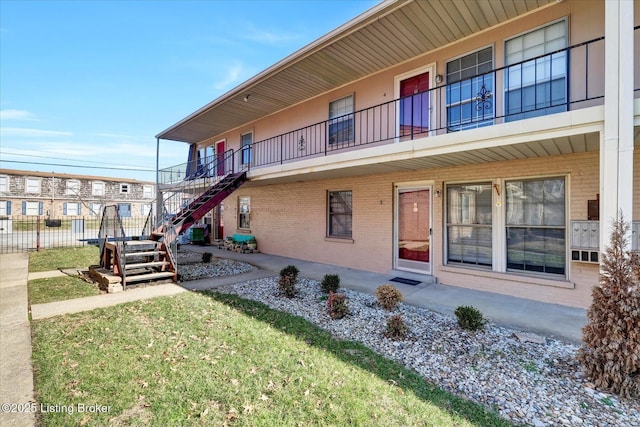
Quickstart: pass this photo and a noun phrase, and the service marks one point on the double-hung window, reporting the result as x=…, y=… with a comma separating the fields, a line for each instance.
x=341, y=121
x=536, y=73
x=97, y=188
x=469, y=224
x=535, y=225
x=470, y=86
x=4, y=184
x=73, y=188
x=339, y=214
x=32, y=185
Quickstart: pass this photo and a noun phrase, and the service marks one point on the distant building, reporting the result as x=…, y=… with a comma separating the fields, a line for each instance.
x=24, y=193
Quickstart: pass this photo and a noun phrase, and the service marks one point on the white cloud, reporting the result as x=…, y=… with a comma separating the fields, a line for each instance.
x=254, y=34
x=16, y=115
x=233, y=73
x=31, y=133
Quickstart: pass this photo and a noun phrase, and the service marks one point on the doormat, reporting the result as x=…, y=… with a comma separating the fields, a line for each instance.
x=405, y=281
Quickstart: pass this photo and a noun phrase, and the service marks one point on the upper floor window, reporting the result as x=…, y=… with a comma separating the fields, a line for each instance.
x=246, y=142
x=4, y=184
x=97, y=188
x=339, y=214
x=124, y=188
x=147, y=191
x=73, y=187
x=536, y=83
x=32, y=185
x=470, y=90
x=341, y=121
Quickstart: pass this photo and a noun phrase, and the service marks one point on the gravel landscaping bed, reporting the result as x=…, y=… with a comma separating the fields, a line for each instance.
x=191, y=267
x=538, y=384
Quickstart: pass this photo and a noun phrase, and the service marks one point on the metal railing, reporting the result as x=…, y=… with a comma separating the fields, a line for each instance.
x=563, y=80
x=33, y=233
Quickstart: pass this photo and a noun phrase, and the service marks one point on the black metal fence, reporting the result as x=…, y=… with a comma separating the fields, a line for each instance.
x=33, y=233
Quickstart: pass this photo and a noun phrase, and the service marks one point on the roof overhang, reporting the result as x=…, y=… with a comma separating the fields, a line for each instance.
x=388, y=34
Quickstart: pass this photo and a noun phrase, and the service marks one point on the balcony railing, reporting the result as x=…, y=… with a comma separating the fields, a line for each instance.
x=567, y=79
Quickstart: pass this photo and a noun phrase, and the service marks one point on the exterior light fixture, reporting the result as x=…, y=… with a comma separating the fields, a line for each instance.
x=246, y=98
x=439, y=78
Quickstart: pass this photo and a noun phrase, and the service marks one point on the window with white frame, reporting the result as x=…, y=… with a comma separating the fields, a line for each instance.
x=145, y=209
x=97, y=188
x=341, y=120
x=536, y=73
x=4, y=184
x=470, y=82
x=469, y=224
x=244, y=212
x=32, y=185
x=32, y=208
x=536, y=225
x=124, y=188
x=246, y=141
x=95, y=208
x=339, y=214
x=5, y=207
x=73, y=187
x=72, y=209
x=147, y=191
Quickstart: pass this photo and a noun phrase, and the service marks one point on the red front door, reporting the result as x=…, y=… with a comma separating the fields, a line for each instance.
x=220, y=157
x=414, y=105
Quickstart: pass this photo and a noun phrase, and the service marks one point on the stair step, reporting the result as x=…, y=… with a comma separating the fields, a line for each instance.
x=145, y=253
x=133, y=243
x=146, y=264
x=149, y=276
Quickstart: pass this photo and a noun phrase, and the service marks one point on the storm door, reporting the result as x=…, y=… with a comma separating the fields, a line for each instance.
x=413, y=229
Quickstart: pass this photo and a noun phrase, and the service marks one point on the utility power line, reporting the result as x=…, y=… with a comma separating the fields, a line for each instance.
x=79, y=166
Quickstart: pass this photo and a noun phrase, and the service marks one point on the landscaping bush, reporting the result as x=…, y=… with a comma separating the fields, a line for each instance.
x=337, y=305
x=396, y=328
x=206, y=257
x=611, y=351
x=470, y=318
x=290, y=270
x=388, y=296
x=287, y=281
x=330, y=283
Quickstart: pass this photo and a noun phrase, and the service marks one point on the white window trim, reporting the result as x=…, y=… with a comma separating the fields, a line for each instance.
x=150, y=192
x=70, y=190
x=6, y=188
x=431, y=69
x=93, y=188
x=123, y=185
x=26, y=185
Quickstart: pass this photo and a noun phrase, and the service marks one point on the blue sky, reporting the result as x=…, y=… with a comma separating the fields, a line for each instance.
x=90, y=83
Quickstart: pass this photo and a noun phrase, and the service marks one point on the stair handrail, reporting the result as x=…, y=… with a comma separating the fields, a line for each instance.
x=112, y=222
x=170, y=235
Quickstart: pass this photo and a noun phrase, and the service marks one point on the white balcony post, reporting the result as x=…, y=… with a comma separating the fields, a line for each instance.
x=616, y=142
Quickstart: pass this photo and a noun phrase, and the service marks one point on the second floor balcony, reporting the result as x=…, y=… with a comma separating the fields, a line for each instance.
x=567, y=79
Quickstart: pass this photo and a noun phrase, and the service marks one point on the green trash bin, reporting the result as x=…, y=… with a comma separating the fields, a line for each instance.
x=197, y=235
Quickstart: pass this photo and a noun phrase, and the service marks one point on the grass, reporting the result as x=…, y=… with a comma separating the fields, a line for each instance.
x=59, y=288
x=62, y=258
x=216, y=359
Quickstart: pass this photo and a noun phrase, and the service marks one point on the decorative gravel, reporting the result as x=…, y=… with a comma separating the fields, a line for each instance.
x=191, y=267
x=536, y=384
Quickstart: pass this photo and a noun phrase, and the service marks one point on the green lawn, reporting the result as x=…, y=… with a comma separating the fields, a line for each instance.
x=63, y=258
x=212, y=359
x=59, y=288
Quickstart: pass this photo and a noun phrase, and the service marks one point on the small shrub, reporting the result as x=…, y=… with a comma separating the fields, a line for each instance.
x=337, y=305
x=470, y=318
x=330, y=283
x=388, y=296
x=206, y=257
x=290, y=270
x=287, y=285
x=396, y=328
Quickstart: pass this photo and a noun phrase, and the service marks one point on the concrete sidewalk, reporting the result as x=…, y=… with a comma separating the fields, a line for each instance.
x=16, y=373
